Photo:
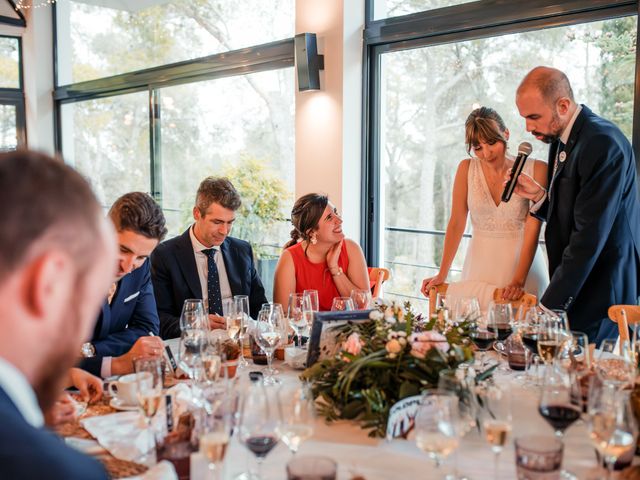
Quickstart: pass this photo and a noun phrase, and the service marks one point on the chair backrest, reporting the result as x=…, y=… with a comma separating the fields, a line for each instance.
x=433, y=295
x=377, y=276
x=528, y=299
x=632, y=314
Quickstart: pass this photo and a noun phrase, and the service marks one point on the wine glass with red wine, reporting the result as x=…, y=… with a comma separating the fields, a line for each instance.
x=560, y=400
x=483, y=339
x=259, y=423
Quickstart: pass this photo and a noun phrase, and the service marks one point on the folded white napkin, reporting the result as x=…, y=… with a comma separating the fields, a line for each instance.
x=122, y=434
x=161, y=471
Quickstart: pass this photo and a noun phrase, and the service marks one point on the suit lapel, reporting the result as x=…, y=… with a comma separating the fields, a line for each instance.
x=230, y=265
x=187, y=262
x=104, y=321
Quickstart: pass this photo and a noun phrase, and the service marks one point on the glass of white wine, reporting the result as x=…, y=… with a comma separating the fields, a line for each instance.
x=268, y=333
x=149, y=389
x=215, y=438
x=436, y=425
x=496, y=419
x=297, y=412
x=243, y=317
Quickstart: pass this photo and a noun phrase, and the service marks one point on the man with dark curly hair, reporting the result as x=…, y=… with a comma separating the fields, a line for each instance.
x=129, y=314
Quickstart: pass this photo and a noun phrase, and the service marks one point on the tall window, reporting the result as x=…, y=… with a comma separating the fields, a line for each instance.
x=12, y=119
x=426, y=93
x=137, y=120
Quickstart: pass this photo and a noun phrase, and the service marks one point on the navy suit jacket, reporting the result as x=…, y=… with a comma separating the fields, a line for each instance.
x=27, y=453
x=175, y=278
x=593, y=226
x=131, y=315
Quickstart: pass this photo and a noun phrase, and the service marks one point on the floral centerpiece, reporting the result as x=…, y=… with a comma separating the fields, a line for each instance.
x=394, y=355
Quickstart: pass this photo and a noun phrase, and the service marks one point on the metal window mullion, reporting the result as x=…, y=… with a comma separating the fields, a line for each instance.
x=155, y=148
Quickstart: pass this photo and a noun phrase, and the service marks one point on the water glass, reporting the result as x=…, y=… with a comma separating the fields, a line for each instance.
x=342, y=304
x=297, y=414
x=314, y=303
x=296, y=314
x=538, y=457
x=193, y=315
x=436, y=425
x=361, y=298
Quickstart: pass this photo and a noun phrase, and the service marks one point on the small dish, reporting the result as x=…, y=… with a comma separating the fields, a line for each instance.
x=118, y=405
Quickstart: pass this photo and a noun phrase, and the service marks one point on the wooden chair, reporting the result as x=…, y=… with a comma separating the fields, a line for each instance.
x=377, y=276
x=624, y=315
x=527, y=299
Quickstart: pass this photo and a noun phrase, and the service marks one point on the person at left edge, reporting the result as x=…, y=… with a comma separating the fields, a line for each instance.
x=129, y=314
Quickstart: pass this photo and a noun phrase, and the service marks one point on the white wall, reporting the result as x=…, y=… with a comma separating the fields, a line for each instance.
x=328, y=122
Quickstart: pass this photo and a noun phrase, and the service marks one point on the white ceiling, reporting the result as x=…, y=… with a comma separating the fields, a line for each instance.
x=128, y=5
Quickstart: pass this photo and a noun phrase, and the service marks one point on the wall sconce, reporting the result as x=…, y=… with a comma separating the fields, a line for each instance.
x=308, y=62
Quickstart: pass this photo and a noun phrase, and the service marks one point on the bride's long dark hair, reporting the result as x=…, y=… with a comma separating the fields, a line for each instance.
x=305, y=216
x=486, y=126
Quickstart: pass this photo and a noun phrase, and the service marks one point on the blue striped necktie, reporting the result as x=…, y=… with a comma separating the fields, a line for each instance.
x=213, y=282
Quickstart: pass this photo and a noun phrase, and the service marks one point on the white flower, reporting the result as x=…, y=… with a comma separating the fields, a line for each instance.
x=375, y=315
x=402, y=341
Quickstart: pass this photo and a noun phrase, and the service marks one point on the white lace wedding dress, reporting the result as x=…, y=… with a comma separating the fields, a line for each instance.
x=497, y=237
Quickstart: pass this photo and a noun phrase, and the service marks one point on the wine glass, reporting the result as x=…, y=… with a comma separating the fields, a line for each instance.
x=435, y=425
x=268, y=335
x=551, y=337
x=483, y=339
x=297, y=414
x=190, y=349
x=211, y=360
x=193, y=316
x=612, y=426
x=617, y=369
x=295, y=314
x=149, y=389
x=500, y=319
x=216, y=434
x=342, y=304
x=258, y=422
x=361, y=298
x=314, y=303
x=466, y=309
x=496, y=419
x=242, y=312
x=560, y=400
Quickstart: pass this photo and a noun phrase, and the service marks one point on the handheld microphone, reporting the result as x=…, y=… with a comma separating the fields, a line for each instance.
x=524, y=150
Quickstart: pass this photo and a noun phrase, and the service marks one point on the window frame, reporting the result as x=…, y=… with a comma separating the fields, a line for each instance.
x=480, y=19
x=15, y=97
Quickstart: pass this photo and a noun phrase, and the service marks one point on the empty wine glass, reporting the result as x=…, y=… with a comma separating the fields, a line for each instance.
x=435, y=425
x=242, y=312
x=258, y=424
x=295, y=314
x=342, y=304
x=297, y=415
x=466, y=309
x=314, y=303
x=361, y=298
x=612, y=426
x=190, y=351
x=193, y=316
x=268, y=333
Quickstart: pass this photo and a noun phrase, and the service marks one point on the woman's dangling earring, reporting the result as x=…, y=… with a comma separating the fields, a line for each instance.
x=314, y=240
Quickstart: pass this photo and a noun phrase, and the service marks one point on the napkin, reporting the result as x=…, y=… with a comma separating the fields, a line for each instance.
x=161, y=471
x=122, y=434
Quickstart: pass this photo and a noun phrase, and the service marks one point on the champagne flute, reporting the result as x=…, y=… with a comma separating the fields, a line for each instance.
x=297, y=414
x=435, y=425
x=211, y=361
x=342, y=304
x=193, y=315
x=361, y=298
x=258, y=422
x=310, y=307
x=295, y=314
x=149, y=389
x=242, y=312
x=214, y=440
x=496, y=419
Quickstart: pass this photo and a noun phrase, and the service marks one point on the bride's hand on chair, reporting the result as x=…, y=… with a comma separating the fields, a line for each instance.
x=513, y=291
x=427, y=283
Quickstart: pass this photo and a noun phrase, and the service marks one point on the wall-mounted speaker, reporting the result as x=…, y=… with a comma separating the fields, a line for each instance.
x=308, y=62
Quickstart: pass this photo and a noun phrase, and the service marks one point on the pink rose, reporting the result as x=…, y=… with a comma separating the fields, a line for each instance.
x=422, y=342
x=353, y=345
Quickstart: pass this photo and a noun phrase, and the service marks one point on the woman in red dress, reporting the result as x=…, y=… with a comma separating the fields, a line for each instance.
x=318, y=256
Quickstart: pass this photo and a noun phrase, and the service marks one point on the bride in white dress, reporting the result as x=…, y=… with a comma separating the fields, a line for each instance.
x=503, y=251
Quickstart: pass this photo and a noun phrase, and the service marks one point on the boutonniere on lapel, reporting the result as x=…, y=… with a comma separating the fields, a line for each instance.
x=562, y=157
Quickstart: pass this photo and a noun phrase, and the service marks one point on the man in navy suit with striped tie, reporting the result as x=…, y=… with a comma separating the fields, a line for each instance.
x=129, y=315
x=57, y=255
x=205, y=262
x=591, y=207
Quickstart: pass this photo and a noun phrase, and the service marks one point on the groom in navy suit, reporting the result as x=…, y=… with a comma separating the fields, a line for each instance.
x=55, y=248
x=204, y=262
x=129, y=315
x=591, y=207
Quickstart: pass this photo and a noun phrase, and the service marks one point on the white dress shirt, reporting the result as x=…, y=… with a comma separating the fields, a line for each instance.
x=564, y=138
x=15, y=385
x=203, y=268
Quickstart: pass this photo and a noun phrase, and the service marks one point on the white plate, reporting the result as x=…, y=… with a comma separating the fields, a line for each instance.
x=118, y=405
